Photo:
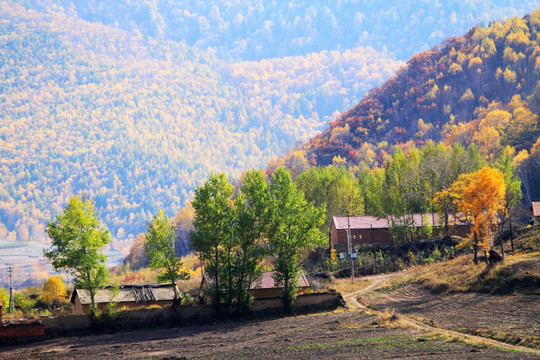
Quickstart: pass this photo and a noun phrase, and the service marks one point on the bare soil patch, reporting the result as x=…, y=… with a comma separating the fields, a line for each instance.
x=337, y=335
x=511, y=318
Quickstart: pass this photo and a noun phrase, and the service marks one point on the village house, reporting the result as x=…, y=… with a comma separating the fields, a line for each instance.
x=128, y=296
x=265, y=287
x=369, y=231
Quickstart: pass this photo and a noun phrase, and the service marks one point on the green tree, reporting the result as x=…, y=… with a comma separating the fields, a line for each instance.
x=159, y=248
x=229, y=237
x=513, y=193
x=396, y=197
x=4, y=298
x=371, y=183
x=77, y=243
x=251, y=207
x=212, y=236
x=294, y=227
x=334, y=187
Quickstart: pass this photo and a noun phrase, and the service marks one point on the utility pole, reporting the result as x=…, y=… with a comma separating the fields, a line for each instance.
x=11, y=298
x=373, y=243
x=349, y=246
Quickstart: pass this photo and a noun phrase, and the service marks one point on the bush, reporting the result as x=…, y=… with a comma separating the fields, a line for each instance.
x=23, y=303
x=187, y=299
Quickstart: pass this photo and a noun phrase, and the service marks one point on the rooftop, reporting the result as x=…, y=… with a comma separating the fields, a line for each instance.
x=267, y=281
x=128, y=293
x=367, y=222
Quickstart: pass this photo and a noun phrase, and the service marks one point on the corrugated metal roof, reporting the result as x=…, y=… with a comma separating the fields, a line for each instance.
x=366, y=222
x=128, y=293
x=267, y=281
x=536, y=208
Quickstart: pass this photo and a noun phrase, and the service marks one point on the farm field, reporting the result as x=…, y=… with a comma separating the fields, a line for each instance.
x=338, y=335
x=514, y=317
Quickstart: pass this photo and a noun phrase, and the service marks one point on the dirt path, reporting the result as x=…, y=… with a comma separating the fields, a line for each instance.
x=378, y=280
x=381, y=280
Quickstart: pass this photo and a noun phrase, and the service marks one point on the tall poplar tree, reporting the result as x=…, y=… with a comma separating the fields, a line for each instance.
x=77, y=243
x=213, y=232
x=294, y=227
x=159, y=248
x=251, y=206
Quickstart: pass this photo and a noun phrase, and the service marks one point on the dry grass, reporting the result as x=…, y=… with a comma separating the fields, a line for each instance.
x=389, y=318
x=193, y=283
x=346, y=286
x=520, y=272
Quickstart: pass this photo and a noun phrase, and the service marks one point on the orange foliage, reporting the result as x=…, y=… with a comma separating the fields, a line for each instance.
x=482, y=197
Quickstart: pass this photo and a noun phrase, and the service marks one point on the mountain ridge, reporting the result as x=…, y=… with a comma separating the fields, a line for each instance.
x=439, y=89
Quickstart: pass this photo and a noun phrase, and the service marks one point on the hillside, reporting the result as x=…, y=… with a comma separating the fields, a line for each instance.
x=471, y=89
x=260, y=29
x=136, y=123
x=498, y=302
x=133, y=103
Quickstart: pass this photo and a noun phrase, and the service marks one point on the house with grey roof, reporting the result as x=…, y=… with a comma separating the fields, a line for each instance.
x=127, y=296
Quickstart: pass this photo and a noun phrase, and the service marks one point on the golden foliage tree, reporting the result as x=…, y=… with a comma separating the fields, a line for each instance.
x=53, y=290
x=482, y=198
x=447, y=200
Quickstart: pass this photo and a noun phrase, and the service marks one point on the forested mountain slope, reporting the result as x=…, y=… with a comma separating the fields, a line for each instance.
x=136, y=123
x=471, y=89
x=133, y=103
x=254, y=30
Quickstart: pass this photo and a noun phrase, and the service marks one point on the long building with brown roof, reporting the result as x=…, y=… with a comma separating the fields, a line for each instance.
x=372, y=231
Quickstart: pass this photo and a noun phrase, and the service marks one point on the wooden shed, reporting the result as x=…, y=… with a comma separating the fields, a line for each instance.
x=128, y=296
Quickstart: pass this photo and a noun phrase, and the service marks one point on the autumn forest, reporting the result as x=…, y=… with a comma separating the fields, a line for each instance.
x=134, y=105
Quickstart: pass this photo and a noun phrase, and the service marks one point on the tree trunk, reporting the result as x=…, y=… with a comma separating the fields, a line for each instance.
x=217, y=291
x=446, y=228
x=176, y=300
x=511, y=236
x=92, y=303
x=502, y=249
x=475, y=249
x=287, y=294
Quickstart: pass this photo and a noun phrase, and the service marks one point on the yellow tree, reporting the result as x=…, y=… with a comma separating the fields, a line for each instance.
x=482, y=198
x=446, y=201
x=53, y=290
